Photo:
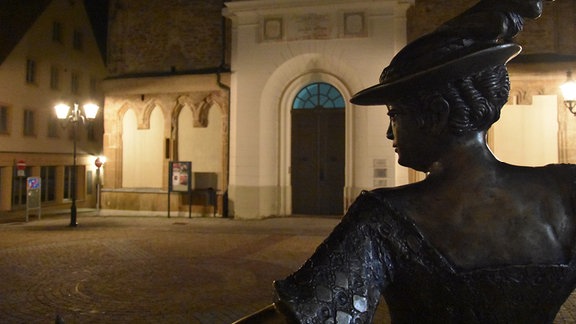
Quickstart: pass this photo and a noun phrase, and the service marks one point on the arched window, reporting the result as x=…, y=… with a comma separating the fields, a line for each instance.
x=318, y=95
x=142, y=158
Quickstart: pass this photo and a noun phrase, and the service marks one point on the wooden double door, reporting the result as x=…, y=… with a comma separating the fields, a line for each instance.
x=318, y=160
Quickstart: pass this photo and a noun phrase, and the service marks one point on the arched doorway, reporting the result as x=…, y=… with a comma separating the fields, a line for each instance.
x=318, y=150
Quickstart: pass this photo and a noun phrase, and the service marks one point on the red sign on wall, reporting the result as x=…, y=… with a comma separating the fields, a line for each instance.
x=21, y=165
x=21, y=168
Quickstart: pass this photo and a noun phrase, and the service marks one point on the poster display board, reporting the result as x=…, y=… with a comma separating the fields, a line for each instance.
x=180, y=180
x=180, y=176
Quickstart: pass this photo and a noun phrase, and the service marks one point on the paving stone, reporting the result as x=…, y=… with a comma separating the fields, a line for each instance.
x=154, y=269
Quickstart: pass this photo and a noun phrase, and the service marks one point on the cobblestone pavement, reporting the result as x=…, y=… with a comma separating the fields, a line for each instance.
x=154, y=269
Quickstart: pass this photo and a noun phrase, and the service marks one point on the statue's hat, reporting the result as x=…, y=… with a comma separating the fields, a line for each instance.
x=407, y=76
x=476, y=40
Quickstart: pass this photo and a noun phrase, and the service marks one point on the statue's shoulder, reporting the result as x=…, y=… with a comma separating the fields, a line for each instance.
x=560, y=174
x=396, y=196
x=563, y=177
x=562, y=169
x=371, y=203
x=391, y=201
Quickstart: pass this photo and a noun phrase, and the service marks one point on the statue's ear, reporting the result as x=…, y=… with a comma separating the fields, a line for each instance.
x=439, y=110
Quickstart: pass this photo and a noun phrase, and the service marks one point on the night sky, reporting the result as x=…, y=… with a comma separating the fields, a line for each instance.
x=98, y=13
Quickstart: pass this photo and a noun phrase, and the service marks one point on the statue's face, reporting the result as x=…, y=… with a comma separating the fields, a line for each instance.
x=416, y=146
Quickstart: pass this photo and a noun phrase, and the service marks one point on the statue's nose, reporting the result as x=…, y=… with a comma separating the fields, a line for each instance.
x=389, y=132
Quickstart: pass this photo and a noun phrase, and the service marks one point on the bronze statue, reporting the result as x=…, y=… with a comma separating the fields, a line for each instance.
x=477, y=241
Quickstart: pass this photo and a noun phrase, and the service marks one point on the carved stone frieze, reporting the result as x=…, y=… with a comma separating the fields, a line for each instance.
x=200, y=110
x=523, y=95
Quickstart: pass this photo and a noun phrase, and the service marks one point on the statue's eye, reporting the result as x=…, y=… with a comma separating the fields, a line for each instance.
x=393, y=113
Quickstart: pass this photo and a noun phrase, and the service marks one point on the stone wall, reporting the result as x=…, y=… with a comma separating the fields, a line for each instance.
x=550, y=34
x=164, y=36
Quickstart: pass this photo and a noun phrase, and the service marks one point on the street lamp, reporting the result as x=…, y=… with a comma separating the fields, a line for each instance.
x=74, y=116
x=568, y=89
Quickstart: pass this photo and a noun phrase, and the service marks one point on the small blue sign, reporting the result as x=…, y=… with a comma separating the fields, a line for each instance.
x=33, y=183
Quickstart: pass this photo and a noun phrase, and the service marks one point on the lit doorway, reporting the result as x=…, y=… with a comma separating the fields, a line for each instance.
x=318, y=150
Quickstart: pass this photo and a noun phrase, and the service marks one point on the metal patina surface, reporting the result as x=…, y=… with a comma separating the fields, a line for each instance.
x=477, y=241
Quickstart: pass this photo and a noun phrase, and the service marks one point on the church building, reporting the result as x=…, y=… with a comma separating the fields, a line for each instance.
x=254, y=95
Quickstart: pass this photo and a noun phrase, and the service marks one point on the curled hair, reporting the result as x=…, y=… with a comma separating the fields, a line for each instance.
x=475, y=101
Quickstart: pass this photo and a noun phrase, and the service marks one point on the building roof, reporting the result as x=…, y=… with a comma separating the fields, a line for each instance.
x=17, y=16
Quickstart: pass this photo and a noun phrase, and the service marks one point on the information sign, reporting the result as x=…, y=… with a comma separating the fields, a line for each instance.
x=180, y=176
x=33, y=190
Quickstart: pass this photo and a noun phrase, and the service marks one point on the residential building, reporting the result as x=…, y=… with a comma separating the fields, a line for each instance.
x=48, y=55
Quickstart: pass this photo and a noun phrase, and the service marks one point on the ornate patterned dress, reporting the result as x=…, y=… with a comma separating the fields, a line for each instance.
x=376, y=251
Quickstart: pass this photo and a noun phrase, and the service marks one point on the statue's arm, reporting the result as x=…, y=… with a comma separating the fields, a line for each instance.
x=343, y=280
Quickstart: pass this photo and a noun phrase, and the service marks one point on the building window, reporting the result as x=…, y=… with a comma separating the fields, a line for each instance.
x=4, y=122
x=91, y=131
x=52, y=127
x=78, y=40
x=318, y=95
x=89, y=182
x=48, y=180
x=30, y=71
x=54, y=78
x=57, y=32
x=68, y=181
x=29, y=124
x=19, y=188
x=75, y=82
x=93, y=87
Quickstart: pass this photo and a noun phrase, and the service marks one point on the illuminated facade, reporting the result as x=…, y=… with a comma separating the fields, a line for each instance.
x=50, y=55
x=219, y=84
x=228, y=106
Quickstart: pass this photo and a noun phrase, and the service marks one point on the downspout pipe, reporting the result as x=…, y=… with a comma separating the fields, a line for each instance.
x=224, y=68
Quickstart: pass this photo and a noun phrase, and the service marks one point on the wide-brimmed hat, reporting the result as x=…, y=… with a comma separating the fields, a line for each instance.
x=476, y=40
x=409, y=71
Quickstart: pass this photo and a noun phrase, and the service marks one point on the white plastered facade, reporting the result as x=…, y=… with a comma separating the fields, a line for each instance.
x=277, y=49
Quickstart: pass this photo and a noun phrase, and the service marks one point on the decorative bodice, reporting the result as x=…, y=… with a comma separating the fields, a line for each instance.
x=376, y=251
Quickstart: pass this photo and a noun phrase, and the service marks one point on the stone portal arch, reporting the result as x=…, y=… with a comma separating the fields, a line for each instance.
x=277, y=97
x=318, y=150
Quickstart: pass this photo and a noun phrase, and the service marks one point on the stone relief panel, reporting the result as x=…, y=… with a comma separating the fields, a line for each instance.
x=317, y=25
x=310, y=26
x=273, y=29
x=354, y=24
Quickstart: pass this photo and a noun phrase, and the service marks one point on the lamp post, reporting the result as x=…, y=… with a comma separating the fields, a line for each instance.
x=74, y=116
x=98, y=163
x=568, y=89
